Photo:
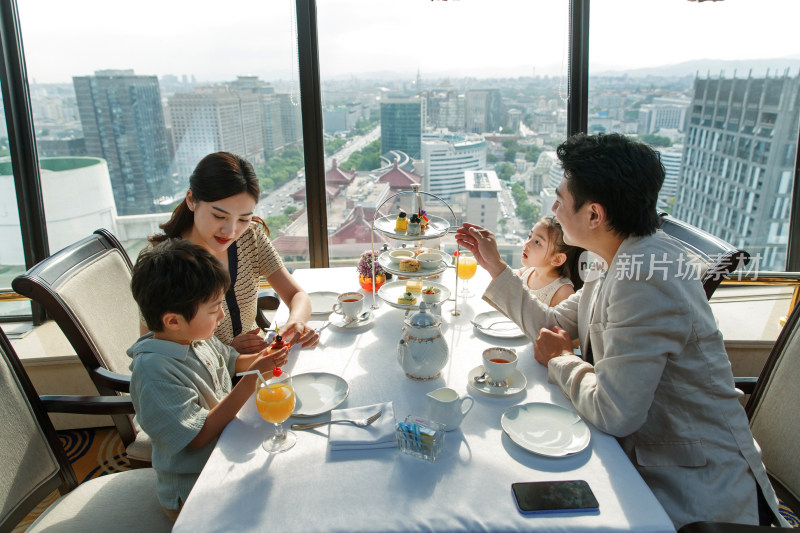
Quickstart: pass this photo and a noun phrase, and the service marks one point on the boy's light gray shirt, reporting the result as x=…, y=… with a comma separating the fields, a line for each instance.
x=173, y=386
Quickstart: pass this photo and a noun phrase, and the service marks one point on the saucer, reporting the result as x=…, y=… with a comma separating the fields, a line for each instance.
x=352, y=325
x=517, y=383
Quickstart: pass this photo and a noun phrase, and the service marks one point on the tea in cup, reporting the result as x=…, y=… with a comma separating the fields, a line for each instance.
x=349, y=304
x=499, y=364
x=447, y=408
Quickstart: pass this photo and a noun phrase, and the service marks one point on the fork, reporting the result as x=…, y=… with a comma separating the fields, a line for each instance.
x=493, y=324
x=364, y=422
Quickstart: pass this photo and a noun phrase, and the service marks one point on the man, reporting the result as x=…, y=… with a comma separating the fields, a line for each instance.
x=655, y=373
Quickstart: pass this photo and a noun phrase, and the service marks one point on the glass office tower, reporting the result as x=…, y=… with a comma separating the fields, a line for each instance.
x=123, y=123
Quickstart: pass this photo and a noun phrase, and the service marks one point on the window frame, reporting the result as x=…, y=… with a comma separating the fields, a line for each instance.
x=24, y=156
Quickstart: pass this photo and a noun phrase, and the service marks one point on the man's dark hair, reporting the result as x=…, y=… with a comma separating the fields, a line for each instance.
x=622, y=175
x=176, y=276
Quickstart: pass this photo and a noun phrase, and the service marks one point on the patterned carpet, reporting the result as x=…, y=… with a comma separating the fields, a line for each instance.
x=97, y=452
x=93, y=453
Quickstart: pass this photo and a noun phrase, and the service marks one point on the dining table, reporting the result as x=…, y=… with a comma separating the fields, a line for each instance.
x=312, y=487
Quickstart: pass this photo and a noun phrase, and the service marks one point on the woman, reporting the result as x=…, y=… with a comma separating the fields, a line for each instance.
x=217, y=214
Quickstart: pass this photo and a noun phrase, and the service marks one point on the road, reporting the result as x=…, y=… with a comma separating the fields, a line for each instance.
x=273, y=202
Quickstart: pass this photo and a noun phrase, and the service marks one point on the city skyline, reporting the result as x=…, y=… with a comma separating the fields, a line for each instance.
x=438, y=37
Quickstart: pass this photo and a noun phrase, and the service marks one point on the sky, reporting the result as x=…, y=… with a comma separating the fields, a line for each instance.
x=216, y=41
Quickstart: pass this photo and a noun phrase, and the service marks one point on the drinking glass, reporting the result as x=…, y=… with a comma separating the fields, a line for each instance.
x=275, y=403
x=467, y=266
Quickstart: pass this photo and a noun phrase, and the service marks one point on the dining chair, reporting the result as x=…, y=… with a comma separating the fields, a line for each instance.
x=720, y=257
x=774, y=419
x=33, y=464
x=267, y=301
x=85, y=288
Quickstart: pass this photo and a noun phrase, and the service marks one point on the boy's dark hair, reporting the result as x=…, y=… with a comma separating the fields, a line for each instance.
x=622, y=175
x=176, y=276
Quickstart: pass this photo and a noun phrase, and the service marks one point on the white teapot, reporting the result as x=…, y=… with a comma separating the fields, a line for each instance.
x=422, y=352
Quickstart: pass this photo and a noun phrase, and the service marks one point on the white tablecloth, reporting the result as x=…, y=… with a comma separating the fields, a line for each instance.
x=468, y=488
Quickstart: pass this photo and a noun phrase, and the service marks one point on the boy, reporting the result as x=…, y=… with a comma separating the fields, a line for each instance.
x=180, y=373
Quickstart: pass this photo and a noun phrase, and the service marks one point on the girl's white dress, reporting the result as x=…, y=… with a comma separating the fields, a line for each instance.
x=546, y=293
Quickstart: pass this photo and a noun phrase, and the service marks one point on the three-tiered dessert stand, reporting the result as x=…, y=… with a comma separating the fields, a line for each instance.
x=437, y=227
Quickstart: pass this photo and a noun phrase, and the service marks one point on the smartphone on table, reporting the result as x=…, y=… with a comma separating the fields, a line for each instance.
x=537, y=497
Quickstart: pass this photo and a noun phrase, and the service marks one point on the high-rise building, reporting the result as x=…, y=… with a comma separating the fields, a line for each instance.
x=445, y=109
x=291, y=120
x=447, y=158
x=481, y=188
x=123, y=123
x=671, y=159
x=484, y=110
x=667, y=113
x=401, y=125
x=213, y=119
x=738, y=163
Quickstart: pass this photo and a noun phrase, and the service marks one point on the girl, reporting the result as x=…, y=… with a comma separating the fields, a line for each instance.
x=549, y=266
x=217, y=214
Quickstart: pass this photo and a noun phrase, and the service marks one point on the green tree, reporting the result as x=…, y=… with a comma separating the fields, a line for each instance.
x=532, y=153
x=369, y=158
x=334, y=145
x=289, y=209
x=275, y=223
x=518, y=193
x=528, y=213
x=279, y=168
x=504, y=171
x=490, y=158
x=655, y=140
x=510, y=156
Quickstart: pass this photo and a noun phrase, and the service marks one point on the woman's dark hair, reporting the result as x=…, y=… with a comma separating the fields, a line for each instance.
x=176, y=276
x=622, y=175
x=569, y=269
x=217, y=176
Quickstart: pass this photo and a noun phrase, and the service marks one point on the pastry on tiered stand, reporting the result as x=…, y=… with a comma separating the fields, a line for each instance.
x=402, y=222
x=407, y=299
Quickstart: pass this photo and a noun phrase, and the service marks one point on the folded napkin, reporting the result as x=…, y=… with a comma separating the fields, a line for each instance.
x=351, y=437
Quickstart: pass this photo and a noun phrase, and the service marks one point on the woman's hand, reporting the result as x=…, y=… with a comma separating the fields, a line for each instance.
x=481, y=243
x=551, y=343
x=299, y=333
x=249, y=342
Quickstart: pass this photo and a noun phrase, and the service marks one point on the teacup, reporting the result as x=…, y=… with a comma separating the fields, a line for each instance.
x=499, y=364
x=445, y=407
x=349, y=304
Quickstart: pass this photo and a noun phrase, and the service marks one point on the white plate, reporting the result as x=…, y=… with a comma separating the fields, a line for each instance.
x=516, y=383
x=318, y=392
x=390, y=292
x=343, y=323
x=546, y=429
x=437, y=227
x=503, y=327
x=322, y=302
x=394, y=268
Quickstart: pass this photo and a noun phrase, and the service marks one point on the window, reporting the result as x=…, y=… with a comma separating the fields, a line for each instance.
x=125, y=103
x=429, y=93
x=674, y=100
x=12, y=258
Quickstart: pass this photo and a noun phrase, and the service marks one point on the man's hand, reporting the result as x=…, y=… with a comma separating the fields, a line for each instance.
x=551, y=343
x=482, y=244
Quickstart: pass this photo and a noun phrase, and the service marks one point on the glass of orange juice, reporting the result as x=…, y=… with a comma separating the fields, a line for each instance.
x=467, y=266
x=275, y=403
